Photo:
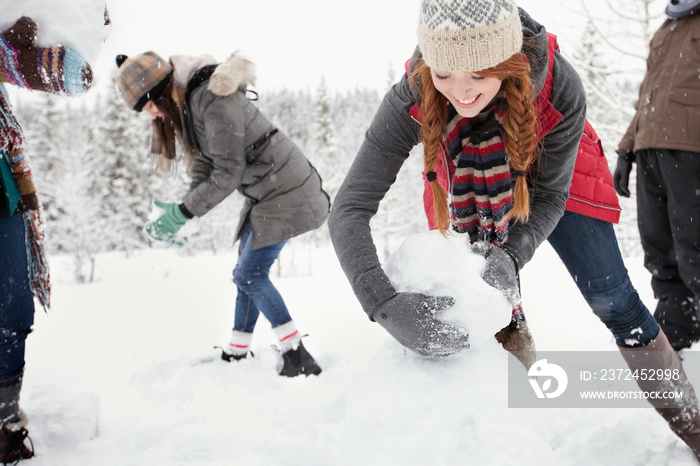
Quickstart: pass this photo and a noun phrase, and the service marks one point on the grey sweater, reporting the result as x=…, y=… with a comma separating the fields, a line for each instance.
x=393, y=133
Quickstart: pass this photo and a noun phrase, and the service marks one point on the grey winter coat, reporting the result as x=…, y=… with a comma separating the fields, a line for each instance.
x=393, y=133
x=283, y=192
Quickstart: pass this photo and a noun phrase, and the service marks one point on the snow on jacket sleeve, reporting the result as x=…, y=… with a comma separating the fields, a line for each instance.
x=555, y=168
x=388, y=141
x=219, y=168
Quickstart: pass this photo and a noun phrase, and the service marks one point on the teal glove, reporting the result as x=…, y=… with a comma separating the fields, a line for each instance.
x=166, y=226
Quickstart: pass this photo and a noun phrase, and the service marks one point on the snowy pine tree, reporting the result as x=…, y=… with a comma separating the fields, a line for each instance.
x=324, y=146
x=324, y=151
x=290, y=111
x=46, y=138
x=82, y=228
x=123, y=173
x=611, y=61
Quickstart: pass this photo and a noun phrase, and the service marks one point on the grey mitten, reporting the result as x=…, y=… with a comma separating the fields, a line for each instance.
x=410, y=318
x=500, y=271
x=621, y=176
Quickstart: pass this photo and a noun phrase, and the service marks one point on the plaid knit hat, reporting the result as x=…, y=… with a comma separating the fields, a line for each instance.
x=141, y=77
x=468, y=35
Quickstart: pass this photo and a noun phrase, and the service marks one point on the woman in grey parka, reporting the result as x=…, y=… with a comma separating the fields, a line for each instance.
x=230, y=146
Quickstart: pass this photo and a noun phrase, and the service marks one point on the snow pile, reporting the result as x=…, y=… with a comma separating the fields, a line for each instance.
x=122, y=371
x=435, y=265
x=77, y=23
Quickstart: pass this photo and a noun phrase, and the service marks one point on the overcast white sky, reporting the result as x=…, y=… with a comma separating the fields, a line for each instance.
x=293, y=43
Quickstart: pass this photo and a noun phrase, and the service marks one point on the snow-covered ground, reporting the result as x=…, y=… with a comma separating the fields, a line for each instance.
x=123, y=372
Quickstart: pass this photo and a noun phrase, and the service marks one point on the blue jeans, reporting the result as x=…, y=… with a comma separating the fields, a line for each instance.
x=256, y=293
x=588, y=248
x=16, y=298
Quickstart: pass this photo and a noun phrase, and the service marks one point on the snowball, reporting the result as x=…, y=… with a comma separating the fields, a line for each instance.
x=445, y=266
x=75, y=23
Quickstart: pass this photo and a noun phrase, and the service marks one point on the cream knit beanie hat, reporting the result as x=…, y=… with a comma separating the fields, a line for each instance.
x=468, y=35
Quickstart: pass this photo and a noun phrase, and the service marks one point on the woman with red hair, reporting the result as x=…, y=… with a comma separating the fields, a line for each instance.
x=510, y=161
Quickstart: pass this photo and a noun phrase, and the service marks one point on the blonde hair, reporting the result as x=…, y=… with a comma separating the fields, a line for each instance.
x=519, y=123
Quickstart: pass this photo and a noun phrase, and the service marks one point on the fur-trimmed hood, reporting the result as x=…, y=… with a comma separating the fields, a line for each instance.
x=235, y=73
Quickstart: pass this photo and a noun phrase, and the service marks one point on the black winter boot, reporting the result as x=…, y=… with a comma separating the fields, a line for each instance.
x=238, y=347
x=228, y=357
x=682, y=414
x=679, y=317
x=517, y=340
x=299, y=361
x=232, y=357
x=15, y=444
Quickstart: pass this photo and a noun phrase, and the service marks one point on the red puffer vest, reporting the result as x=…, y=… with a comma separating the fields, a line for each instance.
x=591, y=192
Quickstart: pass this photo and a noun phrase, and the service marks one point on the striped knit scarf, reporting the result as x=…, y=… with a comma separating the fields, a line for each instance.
x=11, y=141
x=482, y=195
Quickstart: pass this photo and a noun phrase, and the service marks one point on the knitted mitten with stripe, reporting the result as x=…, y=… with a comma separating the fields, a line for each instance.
x=58, y=69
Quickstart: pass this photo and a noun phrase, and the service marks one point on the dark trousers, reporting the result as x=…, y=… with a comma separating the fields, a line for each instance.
x=588, y=248
x=668, y=212
x=16, y=299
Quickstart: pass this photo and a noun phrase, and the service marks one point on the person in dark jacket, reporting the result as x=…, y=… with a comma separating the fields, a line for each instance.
x=231, y=146
x=664, y=139
x=501, y=115
x=24, y=272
